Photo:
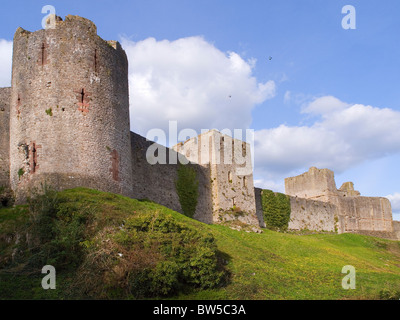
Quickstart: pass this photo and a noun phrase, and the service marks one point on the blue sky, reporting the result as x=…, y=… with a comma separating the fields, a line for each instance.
x=329, y=97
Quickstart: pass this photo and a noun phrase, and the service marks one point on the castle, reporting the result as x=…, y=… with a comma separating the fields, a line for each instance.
x=316, y=204
x=65, y=120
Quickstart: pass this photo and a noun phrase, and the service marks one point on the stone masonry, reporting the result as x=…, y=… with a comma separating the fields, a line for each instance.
x=231, y=176
x=5, y=94
x=65, y=121
x=69, y=115
x=314, y=197
x=156, y=181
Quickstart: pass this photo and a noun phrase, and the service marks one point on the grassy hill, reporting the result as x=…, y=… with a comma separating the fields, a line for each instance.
x=108, y=246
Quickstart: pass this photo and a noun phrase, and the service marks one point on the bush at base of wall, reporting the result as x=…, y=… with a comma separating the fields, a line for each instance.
x=276, y=210
x=187, y=187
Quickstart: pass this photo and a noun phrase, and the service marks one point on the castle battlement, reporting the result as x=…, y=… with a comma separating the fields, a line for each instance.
x=316, y=184
x=314, y=198
x=65, y=121
x=231, y=173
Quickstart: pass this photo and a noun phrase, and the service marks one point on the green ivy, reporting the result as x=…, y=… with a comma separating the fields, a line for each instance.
x=21, y=172
x=276, y=210
x=187, y=187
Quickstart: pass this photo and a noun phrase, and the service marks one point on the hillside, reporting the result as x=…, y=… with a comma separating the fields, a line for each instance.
x=108, y=246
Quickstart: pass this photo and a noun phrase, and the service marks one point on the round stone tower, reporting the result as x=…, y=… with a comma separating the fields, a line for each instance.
x=69, y=116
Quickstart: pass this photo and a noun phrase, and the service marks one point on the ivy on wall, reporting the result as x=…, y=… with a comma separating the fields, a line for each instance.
x=276, y=210
x=187, y=187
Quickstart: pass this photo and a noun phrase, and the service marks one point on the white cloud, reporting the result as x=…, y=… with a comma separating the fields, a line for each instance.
x=395, y=201
x=269, y=184
x=342, y=136
x=191, y=81
x=325, y=106
x=5, y=62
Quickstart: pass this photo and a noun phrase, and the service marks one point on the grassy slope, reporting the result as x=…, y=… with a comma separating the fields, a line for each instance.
x=270, y=265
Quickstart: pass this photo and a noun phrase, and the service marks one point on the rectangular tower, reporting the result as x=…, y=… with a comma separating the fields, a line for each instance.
x=316, y=184
x=231, y=174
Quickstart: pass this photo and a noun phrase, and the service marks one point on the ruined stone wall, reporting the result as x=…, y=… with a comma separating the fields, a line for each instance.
x=259, y=207
x=231, y=174
x=365, y=213
x=69, y=110
x=347, y=190
x=305, y=214
x=5, y=96
x=156, y=182
x=317, y=184
x=396, y=229
x=354, y=213
x=346, y=214
x=312, y=215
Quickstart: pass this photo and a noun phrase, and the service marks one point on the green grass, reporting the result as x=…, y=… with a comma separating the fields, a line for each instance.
x=282, y=266
x=270, y=265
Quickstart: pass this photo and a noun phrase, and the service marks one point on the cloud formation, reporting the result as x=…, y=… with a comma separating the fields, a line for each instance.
x=5, y=62
x=341, y=136
x=395, y=201
x=189, y=80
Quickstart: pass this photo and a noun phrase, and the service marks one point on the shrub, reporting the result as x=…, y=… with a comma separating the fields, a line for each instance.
x=144, y=255
x=164, y=277
x=56, y=234
x=148, y=256
x=276, y=210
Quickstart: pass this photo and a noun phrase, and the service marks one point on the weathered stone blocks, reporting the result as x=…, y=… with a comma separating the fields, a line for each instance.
x=70, y=97
x=353, y=213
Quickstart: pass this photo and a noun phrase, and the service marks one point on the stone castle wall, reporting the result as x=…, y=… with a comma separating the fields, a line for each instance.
x=316, y=184
x=350, y=211
x=396, y=229
x=259, y=207
x=306, y=214
x=65, y=120
x=156, y=182
x=5, y=95
x=312, y=215
x=230, y=174
x=69, y=118
x=365, y=213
